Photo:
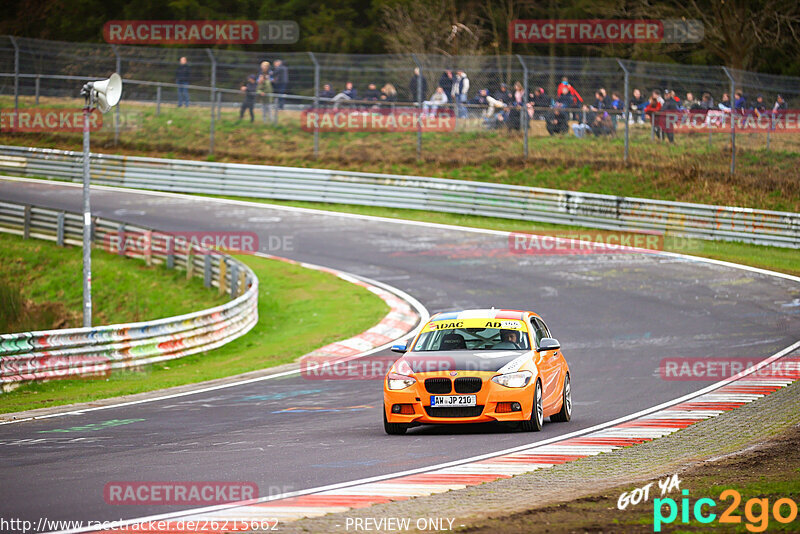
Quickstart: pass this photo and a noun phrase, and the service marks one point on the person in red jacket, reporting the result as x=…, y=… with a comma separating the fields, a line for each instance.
x=568, y=93
x=651, y=112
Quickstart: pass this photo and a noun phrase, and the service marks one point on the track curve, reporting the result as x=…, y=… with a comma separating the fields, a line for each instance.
x=617, y=316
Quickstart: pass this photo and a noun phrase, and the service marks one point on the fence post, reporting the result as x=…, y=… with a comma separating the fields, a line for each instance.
x=37, y=89
x=26, y=225
x=626, y=115
x=219, y=105
x=523, y=117
x=211, y=100
x=419, y=106
x=733, y=123
x=60, y=229
x=223, y=273
x=121, y=237
x=158, y=100
x=16, y=73
x=234, y=280
x=316, y=103
x=207, y=270
x=116, y=108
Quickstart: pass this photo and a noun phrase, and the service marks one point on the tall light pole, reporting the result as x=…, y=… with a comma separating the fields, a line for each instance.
x=102, y=95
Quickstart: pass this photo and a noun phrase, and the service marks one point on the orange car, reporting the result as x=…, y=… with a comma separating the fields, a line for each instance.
x=478, y=366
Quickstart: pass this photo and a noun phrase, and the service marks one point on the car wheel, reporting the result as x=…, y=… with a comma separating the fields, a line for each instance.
x=566, y=404
x=534, y=424
x=393, y=429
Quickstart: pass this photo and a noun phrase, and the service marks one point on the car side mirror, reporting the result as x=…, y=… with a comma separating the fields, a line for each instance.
x=548, y=343
x=399, y=348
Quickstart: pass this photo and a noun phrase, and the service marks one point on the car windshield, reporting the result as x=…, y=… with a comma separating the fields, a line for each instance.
x=472, y=339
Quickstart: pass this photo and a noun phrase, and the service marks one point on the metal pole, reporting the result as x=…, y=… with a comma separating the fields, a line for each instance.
x=116, y=108
x=211, y=100
x=523, y=117
x=316, y=103
x=38, y=82
x=16, y=73
x=87, y=223
x=627, y=114
x=158, y=100
x=733, y=123
x=419, y=107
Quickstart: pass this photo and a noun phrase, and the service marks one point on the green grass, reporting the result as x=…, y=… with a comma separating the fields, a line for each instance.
x=46, y=283
x=299, y=310
x=779, y=259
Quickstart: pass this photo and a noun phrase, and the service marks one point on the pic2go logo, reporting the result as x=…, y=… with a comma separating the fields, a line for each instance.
x=756, y=511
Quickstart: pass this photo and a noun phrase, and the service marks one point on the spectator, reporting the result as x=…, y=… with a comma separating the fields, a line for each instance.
x=182, y=78
x=725, y=103
x=637, y=107
x=616, y=101
x=599, y=102
x=519, y=95
x=326, y=92
x=481, y=99
x=264, y=81
x=739, y=102
x=249, y=89
x=388, y=93
x=418, y=86
x=503, y=95
x=493, y=116
x=690, y=104
x=780, y=104
x=606, y=98
x=446, y=82
x=601, y=124
x=438, y=98
x=707, y=102
x=670, y=108
x=582, y=127
x=657, y=94
x=459, y=92
x=556, y=120
x=760, y=106
x=280, y=81
x=372, y=93
x=569, y=97
x=350, y=92
x=541, y=103
x=651, y=109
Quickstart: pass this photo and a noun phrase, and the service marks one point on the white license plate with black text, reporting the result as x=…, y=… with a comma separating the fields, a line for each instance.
x=453, y=400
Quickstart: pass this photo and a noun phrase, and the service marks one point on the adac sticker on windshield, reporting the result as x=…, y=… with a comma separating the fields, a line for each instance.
x=505, y=324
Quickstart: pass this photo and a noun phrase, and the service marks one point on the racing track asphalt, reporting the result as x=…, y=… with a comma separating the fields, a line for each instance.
x=616, y=315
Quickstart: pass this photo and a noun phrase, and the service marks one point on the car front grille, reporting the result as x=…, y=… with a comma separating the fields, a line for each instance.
x=438, y=385
x=455, y=411
x=468, y=384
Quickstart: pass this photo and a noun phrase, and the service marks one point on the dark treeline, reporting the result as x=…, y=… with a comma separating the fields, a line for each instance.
x=761, y=35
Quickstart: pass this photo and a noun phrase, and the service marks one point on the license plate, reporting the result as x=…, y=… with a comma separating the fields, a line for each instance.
x=453, y=400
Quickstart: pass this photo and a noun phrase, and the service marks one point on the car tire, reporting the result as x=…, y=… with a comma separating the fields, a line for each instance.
x=393, y=429
x=566, y=404
x=534, y=424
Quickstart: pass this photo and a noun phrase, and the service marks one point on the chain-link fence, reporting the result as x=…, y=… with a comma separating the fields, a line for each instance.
x=527, y=97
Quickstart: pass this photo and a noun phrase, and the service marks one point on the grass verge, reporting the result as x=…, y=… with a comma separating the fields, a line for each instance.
x=299, y=310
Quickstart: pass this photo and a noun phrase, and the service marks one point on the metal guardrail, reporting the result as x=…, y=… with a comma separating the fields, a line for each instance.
x=96, y=350
x=414, y=192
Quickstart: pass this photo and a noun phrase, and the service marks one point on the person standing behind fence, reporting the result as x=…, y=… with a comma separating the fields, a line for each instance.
x=182, y=78
x=416, y=88
x=249, y=89
x=265, y=83
x=280, y=80
x=459, y=92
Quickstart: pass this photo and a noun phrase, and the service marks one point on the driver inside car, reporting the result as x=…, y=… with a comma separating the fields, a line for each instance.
x=509, y=339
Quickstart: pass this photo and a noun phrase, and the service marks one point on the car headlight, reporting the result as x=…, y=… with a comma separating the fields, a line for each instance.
x=398, y=381
x=519, y=379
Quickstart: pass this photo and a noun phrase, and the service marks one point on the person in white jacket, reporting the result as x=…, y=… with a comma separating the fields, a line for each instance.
x=460, y=91
x=438, y=98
